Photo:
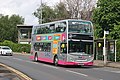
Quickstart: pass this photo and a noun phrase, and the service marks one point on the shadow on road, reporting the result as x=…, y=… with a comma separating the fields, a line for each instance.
x=70, y=66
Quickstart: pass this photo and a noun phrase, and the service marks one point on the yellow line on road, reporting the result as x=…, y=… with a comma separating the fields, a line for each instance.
x=17, y=72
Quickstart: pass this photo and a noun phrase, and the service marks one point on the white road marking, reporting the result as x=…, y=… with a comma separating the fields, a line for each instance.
x=5, y=56
x=115, y=71
x=77, y=73
x=29, y=61
x=50, y=66
x=36, y=63
x=107, y=70
x=18, y=59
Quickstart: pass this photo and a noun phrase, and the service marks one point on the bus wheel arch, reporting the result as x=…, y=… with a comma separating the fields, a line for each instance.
x=36, y=57
x=56, y=60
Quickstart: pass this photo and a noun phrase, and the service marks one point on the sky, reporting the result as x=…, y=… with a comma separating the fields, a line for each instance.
x=24, y=8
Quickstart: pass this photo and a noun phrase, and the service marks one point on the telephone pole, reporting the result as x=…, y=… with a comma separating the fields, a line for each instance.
x=41, y=13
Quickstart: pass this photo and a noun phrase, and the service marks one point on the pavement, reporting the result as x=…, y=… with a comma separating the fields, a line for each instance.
x=100, y=63
x=8, y=73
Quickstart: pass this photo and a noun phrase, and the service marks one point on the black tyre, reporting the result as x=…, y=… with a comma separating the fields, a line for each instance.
x=56, y=61
x=36, y=57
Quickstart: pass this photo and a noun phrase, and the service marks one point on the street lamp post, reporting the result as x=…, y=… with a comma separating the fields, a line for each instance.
x=104, y=48
x=115, y=51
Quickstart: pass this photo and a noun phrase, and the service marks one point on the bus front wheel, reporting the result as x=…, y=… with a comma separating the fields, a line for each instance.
x=56, y=61
x=36, y=57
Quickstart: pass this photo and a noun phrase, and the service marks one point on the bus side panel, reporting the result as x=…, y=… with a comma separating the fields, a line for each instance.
x=45, y=59
x=62, y=59
x=45, y=56
x=42, y=57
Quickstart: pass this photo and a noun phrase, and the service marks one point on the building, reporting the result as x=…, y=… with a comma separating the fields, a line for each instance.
x=24, y=34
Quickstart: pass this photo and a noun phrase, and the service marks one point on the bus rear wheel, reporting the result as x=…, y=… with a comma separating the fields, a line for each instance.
x=36, y=57
x=56, y=61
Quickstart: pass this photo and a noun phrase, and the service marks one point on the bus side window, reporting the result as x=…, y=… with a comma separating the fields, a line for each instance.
x=52, y=28
x=58, y=29
x=35, y=31
x=61, y=27
x=38, y=30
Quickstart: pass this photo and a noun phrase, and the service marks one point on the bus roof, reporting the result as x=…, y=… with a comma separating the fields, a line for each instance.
x=63, y=21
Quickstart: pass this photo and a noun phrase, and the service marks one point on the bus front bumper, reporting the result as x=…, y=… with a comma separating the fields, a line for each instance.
x=76, y=63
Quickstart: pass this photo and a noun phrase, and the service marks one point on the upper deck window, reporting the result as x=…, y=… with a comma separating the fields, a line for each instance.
x=79, y=27
x=57, y=27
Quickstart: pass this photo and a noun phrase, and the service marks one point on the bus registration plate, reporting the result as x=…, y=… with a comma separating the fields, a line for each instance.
x=80, y=63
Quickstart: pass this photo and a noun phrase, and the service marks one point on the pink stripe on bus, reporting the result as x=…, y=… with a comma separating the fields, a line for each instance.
x=42, y=59
x=61, y=62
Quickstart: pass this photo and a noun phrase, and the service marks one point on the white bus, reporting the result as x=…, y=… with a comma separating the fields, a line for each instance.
x=64, y=42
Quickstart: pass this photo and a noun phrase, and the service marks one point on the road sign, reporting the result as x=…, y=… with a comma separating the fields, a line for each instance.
x=106, y=32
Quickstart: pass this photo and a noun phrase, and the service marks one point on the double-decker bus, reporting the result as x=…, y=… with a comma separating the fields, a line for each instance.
x=64, y=42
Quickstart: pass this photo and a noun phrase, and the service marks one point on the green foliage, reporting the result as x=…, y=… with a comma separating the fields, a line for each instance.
x=51, y=14
x=115, y=32
x=8, y=29
x=16, y=47
x=61, y=11
x=106, y=16
x=47, y=13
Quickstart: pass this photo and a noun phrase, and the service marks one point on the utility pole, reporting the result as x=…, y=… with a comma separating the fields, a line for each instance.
x=115, y=51
x=41, y=13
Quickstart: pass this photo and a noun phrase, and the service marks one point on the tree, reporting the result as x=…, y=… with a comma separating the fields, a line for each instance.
x=81, y=9
x=106, y=16
x=48, y=13
x=8, y=29
x=51, y=14
x=78, y=9
x=87, y=9
x=74, y=7
x=115, y=33
x=61, y=12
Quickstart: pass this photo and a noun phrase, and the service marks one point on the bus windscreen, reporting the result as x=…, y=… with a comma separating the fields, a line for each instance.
x=79, y=27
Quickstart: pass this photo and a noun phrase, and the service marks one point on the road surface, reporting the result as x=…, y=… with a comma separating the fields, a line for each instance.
x=45, y=71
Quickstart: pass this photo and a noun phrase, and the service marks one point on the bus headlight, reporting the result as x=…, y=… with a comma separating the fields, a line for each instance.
x=89, y=56
x=71, y=59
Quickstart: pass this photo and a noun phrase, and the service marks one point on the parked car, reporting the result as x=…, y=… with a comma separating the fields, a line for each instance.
x=5, y=50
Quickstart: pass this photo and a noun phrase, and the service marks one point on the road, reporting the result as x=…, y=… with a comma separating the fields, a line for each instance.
x=45, y=71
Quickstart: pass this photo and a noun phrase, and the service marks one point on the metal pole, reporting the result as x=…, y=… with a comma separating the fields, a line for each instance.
x=115, y=50
x=41, y=12
x=104, y=50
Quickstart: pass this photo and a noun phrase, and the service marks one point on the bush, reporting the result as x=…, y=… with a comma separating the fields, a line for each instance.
x=118, y=50
x=16, y=47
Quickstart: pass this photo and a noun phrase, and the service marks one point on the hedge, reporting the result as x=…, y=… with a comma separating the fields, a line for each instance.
x=118, y=50
x=16, y=47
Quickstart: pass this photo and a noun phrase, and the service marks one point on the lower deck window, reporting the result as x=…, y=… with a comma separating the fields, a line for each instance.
x=42, y=47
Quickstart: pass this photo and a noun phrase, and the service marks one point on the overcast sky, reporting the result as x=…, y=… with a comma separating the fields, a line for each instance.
x=24, y=8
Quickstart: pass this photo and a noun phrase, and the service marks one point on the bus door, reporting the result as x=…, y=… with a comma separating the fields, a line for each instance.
x=63, y=51
x=89, y=48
